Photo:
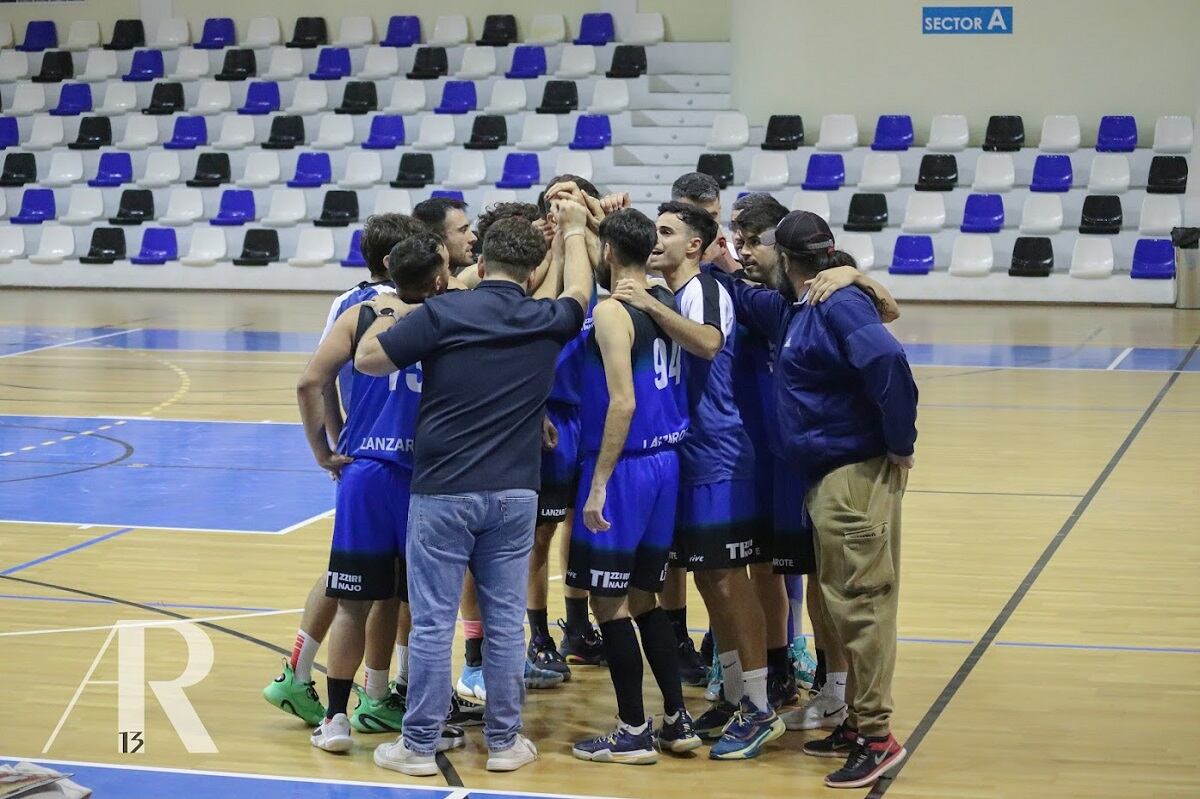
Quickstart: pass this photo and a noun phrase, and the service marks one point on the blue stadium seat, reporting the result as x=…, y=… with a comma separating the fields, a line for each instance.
x=354, y=256
x=40, y=35
x=237, y=208
x=1153, y=259
x=218, y=34
x=387, y=133
x=893, y=132
x=312, y=169
x=913, y=256
x=73, y=99
x=333, y=63
x=521, y=171
x=596, y=29
x=37, y=205
x=9, y=135
x=447, y=194
x=189, y=133
x=158, y=247
x=1051, y=173
x=458, y=97
x=402, y=31
x=114, y=169
x=983, y=213
x=825, y=172
x=529, y=61
x=262, y=97
x=147, y=65
x=592, y=132
x=1117, y=134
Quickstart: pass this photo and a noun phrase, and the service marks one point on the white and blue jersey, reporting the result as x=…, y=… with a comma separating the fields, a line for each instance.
x=348, y=299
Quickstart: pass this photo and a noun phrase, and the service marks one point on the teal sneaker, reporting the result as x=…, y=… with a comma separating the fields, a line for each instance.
x=292, y=696
x=377, y=715
x=805, y=664
x=715, y=679
x=747, y=732
x=470, y=685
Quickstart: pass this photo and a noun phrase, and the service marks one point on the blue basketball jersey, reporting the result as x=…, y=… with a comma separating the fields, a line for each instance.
x=754, y=391
x=389, y=435
x=348, y=299
x=568, y=369
x=716, y=446
x=659, y=419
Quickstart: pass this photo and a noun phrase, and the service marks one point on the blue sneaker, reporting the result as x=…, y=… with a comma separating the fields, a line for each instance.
x=747, y=732
x=715, y=679
x=625, y=744
x=711, y=724
x=678, y=735
x=470, y=685
x=806, y=665
x=537, y=677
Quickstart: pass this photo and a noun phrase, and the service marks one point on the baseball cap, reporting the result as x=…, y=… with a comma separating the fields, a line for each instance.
x=800, y=231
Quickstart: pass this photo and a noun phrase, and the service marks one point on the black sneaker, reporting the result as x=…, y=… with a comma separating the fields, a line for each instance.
x=712, y=722
x=868, y=761
x=707, y=647
x=464, y=714
x=693, y=670
x=838, y=743
x=544, y=654
x=781, y=689
x=582, y=649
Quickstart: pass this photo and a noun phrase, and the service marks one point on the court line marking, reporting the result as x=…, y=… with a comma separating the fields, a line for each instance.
x=1026, y=585
x=127, y=418
x=69, y=437
x=66, y=551
x=305, y=523
x=74, y=341
x=175, y=605
x=158, y=623
x=141, y=527
x=1117, y=360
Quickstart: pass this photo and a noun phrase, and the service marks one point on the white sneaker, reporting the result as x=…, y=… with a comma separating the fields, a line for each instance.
x=333, y=735
x=823, y=711
x=521, y=752
x=453, y=737
x=399, y=757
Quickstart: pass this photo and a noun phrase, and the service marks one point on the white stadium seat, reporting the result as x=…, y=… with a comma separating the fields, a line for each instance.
x=185, y=205
x=815, y=202
x=1173, y=134
x=393, y=201
x=13, y=66
x=262, y=169
x=924, y=213
x=496, y=196
x=948, y=133
x=286, y=209
x=162, y=169
x=262, y=32
x=467, y=170
x=730, y=131
x=547, y=29
x=28, y=98
x=355, y=32
x=84, y=206
x=1042, y=213
x=574, y=162
x=6, y=34
x=335, y=132
x=539, y=132
x=84, y=34
x=171, y=33
x=1109, y=173
x=101, y=66
x=119, y=98
x=972, y=255
x=477, y=63
x=508, y=97
x=768, y=171
x=236, y=132
x=1160, y=213
x=314, y=247
x=57, y=244
x=12, y=243
x=380, y=63
x=436, y=132
x=994, y=172
x=1092, y=257
x=1060, y=134
x=643, y=29
x=838, y=132
x=611, y=96
x=140, y=133
x=207, y=247
x=192, y=65
x=213, y=97
x=66, y=167
x=284, y=64
x=408, y=97
x=363, y=169
x=449, y=29
x=578, y=61
x=311, y=96
x=45, y=133
x=859, y=246
x=880, y=172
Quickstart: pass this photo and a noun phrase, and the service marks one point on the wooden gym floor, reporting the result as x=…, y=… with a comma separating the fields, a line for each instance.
x=1050, y=619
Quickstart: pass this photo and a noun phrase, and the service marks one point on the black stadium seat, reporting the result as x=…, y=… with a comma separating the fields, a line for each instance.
x=415, y=172
x=430, y=63
x=19, y=169
x=629, y=61
x=359, y=97
x=1032, y=257
x=559, y=97
x=259, y=248
x=238, y=65
x=1101, y=214
x=499, y=30
x=938, y=172
x=309, y=32
x=108, y=245
x=135, y=207
x=57, y=66
x=212, y=169
x=339, y=209
x=784, y=132
x=1004, y=134
x=286, y=133
x=127, y=34
x=488, y=133
x=94, y=133
x=868, y=213
x=718, y=165
x=165, y=99
x=1168, y=175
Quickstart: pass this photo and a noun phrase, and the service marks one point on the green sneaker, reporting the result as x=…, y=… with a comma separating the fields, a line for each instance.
x=377, y=715
x=299, y=699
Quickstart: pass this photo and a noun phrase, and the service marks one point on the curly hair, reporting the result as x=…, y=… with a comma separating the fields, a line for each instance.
x=513, y=246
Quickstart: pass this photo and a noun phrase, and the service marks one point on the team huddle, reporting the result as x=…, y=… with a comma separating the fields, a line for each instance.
x=676, y=399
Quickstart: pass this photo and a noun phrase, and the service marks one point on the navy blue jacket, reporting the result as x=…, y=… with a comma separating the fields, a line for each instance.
x=843, y=389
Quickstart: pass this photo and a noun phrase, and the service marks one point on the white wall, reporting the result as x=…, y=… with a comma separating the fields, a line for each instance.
x=866, y=57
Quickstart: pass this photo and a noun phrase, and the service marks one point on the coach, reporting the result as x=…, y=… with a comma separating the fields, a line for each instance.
x=488, y=361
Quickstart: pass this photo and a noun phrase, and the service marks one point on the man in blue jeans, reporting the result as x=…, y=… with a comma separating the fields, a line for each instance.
x=487, y=357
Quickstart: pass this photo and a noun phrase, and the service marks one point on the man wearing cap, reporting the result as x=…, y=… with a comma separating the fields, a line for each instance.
x=846, y=415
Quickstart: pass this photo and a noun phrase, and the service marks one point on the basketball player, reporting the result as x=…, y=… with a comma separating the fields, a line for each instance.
x=715, y=524
x=631, y=418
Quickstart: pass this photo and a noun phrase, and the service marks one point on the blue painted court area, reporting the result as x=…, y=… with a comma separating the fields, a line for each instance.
x=16, y=340
x=226, y=476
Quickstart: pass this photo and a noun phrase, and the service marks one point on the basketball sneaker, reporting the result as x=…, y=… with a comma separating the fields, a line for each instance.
x=544, y=654
x=400, y=691
x=692, y=670
x=822, y=711
x=453, y=737
x=678, y=735
x=333, y=735
x=804, y=663
x=837, y=744
x=470, y=685
x=377, y=715
x=632, y=746
x=521, y=752
x=537, y=677
x=716, y=679
x=711, y=723
x=868, y=761
x=582, y=649
x=292, y=696
x=747, y=732
x=781, y=689
x=399, y=757
x=463, y=713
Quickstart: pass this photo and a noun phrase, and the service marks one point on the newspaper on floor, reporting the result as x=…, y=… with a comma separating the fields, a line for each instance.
x=38, y=782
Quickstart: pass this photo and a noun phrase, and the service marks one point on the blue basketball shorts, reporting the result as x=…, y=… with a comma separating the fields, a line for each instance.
x=560, y=466
x=370, y=531
x=716, y=526
x=640, y=509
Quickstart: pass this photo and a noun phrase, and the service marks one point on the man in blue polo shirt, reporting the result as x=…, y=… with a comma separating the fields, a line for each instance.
x=488, y=361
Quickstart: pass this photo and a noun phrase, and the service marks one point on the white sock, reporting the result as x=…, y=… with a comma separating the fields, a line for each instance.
x=835, y=683
x=671, y=718
x=638, y=730
x=308, y=653
x=402, y=664
x=377, y=683
x=756, y=688
x=731, y=668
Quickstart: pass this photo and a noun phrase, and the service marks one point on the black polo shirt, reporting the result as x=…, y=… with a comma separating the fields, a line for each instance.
x=488, y=361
